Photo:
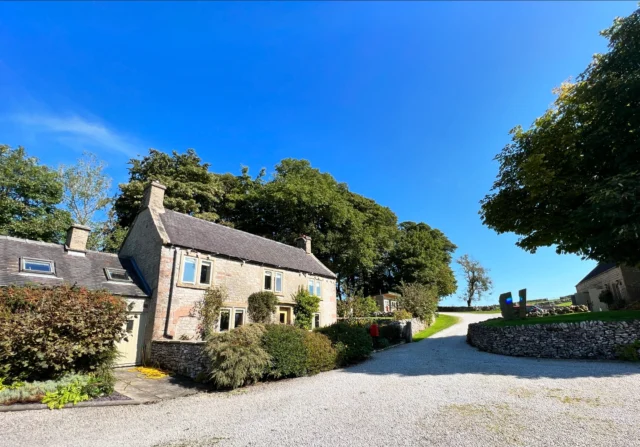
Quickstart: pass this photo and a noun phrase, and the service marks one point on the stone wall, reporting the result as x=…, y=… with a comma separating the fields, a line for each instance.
x=467, y=309
x=182, y=357
x=583, y=340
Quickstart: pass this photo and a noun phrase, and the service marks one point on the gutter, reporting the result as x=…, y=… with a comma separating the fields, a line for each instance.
x=170, y=300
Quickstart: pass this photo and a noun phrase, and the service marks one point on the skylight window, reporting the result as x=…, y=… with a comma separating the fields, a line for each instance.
x=119, y=275
x=38, y=266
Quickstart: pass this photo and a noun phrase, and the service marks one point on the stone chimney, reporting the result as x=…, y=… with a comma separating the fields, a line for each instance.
x=77, y=236
x=304, y=242
x=153, y=196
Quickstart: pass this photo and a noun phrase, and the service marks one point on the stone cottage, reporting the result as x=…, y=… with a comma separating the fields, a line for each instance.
x=180, y=256
x=623, y=282
x=24, y=261
x=387, y=302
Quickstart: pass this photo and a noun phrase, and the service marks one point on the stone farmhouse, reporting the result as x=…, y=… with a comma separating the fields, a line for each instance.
x=164, y=266
x=623, y=282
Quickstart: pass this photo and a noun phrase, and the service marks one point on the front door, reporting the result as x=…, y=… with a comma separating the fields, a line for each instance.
x=130, y=349
x=284, y=317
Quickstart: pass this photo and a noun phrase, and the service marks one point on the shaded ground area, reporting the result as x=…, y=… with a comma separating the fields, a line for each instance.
x=138, y=387
x=438, y=392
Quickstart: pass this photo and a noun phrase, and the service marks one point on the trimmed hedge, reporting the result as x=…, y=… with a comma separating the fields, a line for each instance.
x=47, y=332
x=353, y=343
x=262, y=306
x=285, y=345
x=321, y=355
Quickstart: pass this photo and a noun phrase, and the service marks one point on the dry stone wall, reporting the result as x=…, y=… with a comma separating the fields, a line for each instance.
x=583, y=340
x=182, y=357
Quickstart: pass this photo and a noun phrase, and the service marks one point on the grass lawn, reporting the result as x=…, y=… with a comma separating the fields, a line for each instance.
x=614, y=315
x=441, y=323
x=565, y=304
x=497, y=311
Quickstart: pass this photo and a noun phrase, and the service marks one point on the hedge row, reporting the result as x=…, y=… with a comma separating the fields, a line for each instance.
x=257, y=351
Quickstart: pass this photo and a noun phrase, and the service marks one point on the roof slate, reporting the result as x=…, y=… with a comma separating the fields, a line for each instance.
x=600, y=268
x=190, y=232
x=86, y=271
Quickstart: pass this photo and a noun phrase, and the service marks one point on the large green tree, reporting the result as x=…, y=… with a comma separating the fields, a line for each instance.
x=29, y=195
x=191, y=187
x=420, y=254
x=573, y=178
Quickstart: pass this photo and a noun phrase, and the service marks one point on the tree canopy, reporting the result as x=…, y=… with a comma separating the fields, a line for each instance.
x=573, y=178
x=29, y=195
x=476, y=278
x=191, y=187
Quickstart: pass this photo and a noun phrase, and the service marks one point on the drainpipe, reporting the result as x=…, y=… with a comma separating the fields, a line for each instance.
x=171, y=286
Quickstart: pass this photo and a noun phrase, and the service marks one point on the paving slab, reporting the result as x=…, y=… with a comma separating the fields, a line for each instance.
x=138, y=387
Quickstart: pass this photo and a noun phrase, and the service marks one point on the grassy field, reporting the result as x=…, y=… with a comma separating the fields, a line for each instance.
x=497, y=311
x=565, y=304
x=615, y=315
x=442, y=322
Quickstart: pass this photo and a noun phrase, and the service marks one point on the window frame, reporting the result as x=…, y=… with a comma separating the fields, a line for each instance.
x=311, y=283
x=109, y=270
x=313, y=321
x=318, y=290
x=200, y=260
x=24, y=269
x=232, y=320
x=273, y=274
x=230, y=311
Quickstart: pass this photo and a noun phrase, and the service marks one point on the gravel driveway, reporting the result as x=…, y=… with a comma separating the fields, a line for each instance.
x=437, y=392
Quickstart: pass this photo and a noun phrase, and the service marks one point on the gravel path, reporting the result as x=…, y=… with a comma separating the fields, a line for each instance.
x=437, y=392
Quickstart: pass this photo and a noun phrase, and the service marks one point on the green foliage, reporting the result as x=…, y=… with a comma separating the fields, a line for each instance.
x=629, y=352
x=476, y=277
x=382, y=343
x=353, y=343
x=572, y=180
x=208, y=310
x=402, y=314
x=237, y=357
x=321, y=355
x=286, y=346
x=357, y=307
x=191, y=188
x=71, y=393
x=25, y=392
x=7, y=386
x=262, y=305
x=86, y=188
x=46, y=332
x=306, y=306
x=420, y=254
x=29, y=193
x=420, y=300
x=101, y=382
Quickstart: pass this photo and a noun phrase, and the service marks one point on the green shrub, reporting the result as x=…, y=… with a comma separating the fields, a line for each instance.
x=285, y=345
x=262, y=305
x=35, y=391
x=353, y=343
x=73, y=392
x=402, y=315
x=630, y=352
x=46, y=332
x=321, y=356
x=306, y=306
x=207, y=311
x=237, y=357
x=101, y=382
x=419, y=299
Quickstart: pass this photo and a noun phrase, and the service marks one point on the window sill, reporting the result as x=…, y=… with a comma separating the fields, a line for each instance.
x=193, y=286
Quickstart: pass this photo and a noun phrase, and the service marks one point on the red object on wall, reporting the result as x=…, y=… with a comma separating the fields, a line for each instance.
x=373, y=330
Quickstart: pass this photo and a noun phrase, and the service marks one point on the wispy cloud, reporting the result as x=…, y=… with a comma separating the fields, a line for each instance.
x=79, y=133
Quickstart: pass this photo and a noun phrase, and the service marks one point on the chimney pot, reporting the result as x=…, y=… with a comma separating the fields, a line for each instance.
x=77, y=236
x=304, y=242
x=154, y=196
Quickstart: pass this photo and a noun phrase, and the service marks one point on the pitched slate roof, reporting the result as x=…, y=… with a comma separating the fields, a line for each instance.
x=600, y=268
x=198, y=234
x=86, y=271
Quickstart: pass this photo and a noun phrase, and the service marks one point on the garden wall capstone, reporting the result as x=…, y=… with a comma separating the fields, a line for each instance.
x=186, y=358
x=580, y=340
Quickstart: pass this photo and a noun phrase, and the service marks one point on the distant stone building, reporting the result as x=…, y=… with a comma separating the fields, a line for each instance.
x=387, y=302
x=623, y=282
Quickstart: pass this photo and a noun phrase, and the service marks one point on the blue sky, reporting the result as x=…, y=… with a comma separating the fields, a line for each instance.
x=408, y=103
